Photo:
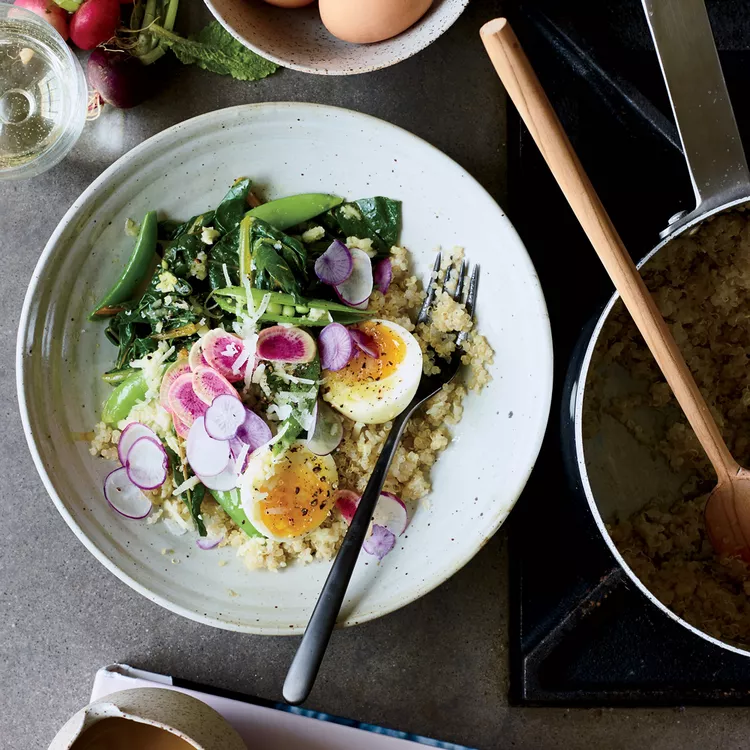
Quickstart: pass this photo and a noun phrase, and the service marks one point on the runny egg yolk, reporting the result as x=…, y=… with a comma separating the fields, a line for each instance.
x=363, y=368
x=297, y=497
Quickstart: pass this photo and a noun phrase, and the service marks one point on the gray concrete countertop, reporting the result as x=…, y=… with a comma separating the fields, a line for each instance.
x=437, y=667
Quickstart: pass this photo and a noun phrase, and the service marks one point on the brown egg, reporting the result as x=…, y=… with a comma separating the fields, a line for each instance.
x=365, y=21
x=290, y=3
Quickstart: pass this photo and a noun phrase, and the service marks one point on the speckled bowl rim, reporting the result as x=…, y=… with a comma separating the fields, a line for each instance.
x=405, y=54
x=493, y=523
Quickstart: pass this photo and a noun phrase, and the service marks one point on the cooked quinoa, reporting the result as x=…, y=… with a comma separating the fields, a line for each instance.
x=702, y=286
x=427, y=433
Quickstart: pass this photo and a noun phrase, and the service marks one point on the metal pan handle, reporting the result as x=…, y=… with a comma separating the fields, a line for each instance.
x=700, y=102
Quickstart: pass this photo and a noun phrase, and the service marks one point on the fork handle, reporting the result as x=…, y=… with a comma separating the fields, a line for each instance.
x=307, y=660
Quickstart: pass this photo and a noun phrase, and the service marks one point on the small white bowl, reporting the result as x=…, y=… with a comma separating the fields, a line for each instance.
x=296, y=38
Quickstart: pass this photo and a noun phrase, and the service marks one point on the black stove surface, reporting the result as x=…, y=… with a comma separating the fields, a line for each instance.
x=581, y=632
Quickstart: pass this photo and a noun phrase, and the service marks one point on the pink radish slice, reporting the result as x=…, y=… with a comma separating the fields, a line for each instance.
x=180, y=427
x=124, y=497
x=380, y=542
x=209, y=384
x=364, y=342
x=221, y=350
x=346, y=502
x=223, y=482
x=224, y=417
x=206, y=544
x=186, y=405
x=205, y=455
x=335, y=265
x=171, y=374
x=356, y=290
x=336, y=347
x=286, y=344
x=134, y=431
x=382, y=275
x=147, y=463
x=196, y=358
x=253, y=431
x=391, y=513
x=327, y=430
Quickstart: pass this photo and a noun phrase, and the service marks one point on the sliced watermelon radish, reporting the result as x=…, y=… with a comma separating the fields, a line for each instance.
x=180, y=367
x=205, y=455
x=196, y=358
x=208, y=384
x=221, y=350
x=286, y=344
x=186, y=406
x=133, y=432
x=347, y=502
x=180, y=427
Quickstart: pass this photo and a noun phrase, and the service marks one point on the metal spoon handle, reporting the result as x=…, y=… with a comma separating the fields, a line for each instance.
x=307, y=660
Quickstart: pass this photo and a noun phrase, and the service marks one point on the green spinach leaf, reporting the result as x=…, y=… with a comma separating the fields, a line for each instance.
x=233, y=206
x=378, y=219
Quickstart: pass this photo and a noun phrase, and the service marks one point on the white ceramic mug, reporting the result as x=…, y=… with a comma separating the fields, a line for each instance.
x=182, y=715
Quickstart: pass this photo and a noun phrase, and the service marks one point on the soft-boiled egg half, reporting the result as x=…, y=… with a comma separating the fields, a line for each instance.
x=287, y=496
x=376, y=389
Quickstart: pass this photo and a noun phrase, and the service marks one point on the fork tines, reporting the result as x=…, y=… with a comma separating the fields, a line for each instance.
x=471, y=295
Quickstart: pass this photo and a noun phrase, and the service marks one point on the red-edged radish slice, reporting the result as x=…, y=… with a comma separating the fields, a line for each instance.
x=147, y=463
x=224, y=417
x=205, y=455
x=391, y=513
x=180, y=367
x=180, y=427
x=186, y=405
x=347, y=502
x=364, y=342
x=196, y=358
x=327, y=430
x=335, y=265
x=380, y=542
x=205, y=543
x=382, y=275
x=221, y=350
x=336, y=347
x=124, y=497
x=208, y=384
x=286, y=344
x=253, y=431
x=129, y=435
x=356, y=290
x=227, y=480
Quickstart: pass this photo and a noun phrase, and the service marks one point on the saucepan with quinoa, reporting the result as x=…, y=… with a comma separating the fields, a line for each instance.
x=644, y=474
x=219, y=335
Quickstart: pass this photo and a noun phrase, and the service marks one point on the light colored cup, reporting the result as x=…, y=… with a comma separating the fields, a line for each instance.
x=182, y=715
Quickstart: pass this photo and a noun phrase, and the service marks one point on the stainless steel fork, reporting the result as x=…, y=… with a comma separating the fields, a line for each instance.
x=307, y=660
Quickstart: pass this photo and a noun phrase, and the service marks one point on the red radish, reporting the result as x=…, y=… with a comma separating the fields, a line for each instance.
x=380, y=542
x=196, y=358
x=205, y=455
x=180, y=367
x=382, y=275
x=186, y=406
x=335, y=265
x=208, y=384
x=346, y=501
x=336, y=347
x=119, y=78
x=205, y=544
x=285, y=344
x=134, y=431
x=180, y=427
x=356, y=290
x=221, y=350
x=253, y=431
x=124, y=497
x=224, y=417
x=94, y=23
x=223, y=482
x=52, y=13
x=365, y=342
x=147, y=463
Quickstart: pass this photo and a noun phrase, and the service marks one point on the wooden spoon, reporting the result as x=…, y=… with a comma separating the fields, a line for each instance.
x=728, y=508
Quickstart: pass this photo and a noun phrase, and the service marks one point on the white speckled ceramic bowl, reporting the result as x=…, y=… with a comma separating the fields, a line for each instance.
x=285, y=148
x=296, y=38
x=182, y=715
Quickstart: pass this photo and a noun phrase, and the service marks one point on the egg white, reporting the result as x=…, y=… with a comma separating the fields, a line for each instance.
x=378, y=401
